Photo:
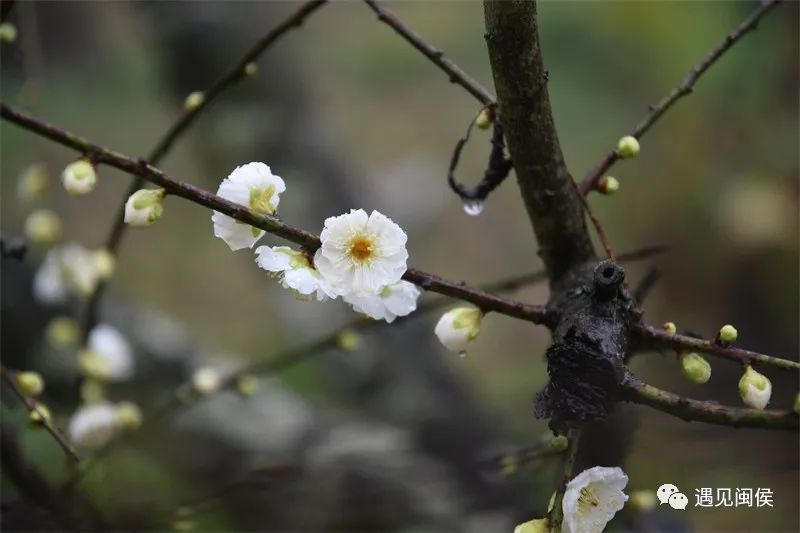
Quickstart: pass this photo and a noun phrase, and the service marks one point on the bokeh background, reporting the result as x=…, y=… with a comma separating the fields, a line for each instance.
x=391, y=436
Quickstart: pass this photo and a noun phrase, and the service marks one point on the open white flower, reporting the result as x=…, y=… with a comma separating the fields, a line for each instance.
x=252, y=185
x=397, y=299
x=458, y=327
x=361, y=254
x=592, y=498
x=66, y=269
x=93, y=426
x=108, y=355
x=295, y=271
x=144, y=207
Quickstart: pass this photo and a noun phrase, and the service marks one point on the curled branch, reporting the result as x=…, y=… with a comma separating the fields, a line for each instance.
x=497, y=171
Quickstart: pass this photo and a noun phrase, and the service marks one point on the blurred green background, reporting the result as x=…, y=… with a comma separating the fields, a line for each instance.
x=351, y=116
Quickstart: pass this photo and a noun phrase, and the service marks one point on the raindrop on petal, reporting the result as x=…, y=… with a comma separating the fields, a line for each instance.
x=473, y=207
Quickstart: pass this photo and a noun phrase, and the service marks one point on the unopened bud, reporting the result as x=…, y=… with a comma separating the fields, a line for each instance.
x=43, y=227
x=194, y=100
x=31, y=383
x=670, y=327
x=246, y=385
x=144, y=207
x=348, y=340
x=484, y=119
x=608, y=185
x=129, y=415
x=205, y=381
x=695, y=368
x=62, y=332
x=8, y=33
x=728, y=334
x=92, y=391
x=643, y=500
x=250, y=69
x=537, y=525
x=93, y=366
x=104, y=263
x=40, y=415
x=458, y=327
x=755, y=388
x=627, y=147
x=32, y=183
x=79, y=177
x=559, y=443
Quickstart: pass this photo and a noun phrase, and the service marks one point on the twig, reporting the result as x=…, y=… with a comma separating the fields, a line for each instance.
x=496, y=172
x=10, y=378
x=271, y=224
x=556, y=515
x=590, y=180
x=651, y=337
x=523, y=456
x=233, y=75
x=437, y=57
x=598, y=226
x=650, y=278
x=638, y=391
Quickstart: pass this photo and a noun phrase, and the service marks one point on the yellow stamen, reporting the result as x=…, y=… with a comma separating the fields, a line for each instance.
x=587, y=497
x=361, y=248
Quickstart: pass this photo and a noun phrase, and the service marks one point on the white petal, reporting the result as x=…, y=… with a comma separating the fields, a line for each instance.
x=93, y=426
x=275, y=259
x=108, y=344
x=605, y=485
x=236, y=235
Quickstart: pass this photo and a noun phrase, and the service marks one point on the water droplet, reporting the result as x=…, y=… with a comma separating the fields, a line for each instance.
x=462, y=354
x=473, y=207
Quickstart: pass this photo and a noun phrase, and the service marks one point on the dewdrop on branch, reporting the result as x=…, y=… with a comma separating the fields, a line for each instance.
x=31, y=383
x=628, y=146
x=8, y=33
x=608, y=185
x=695, y=368
x=194, y=100
x=129, y=416
x=458, y=327
x=254, y=186
x=727, y=334
x=537, y=525
x=755, y=388
x=205, y=381
x=33, y=183
x=79, y=177
x=474, y=206
x=144, y=207
x=43, y=227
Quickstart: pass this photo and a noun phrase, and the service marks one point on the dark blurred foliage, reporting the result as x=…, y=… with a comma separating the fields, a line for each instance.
x=390, y=437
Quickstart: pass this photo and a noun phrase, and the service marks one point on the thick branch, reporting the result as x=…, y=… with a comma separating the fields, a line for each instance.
x=520, y=79
x=271, y=224
x=650, y=337
x=638, y=391
x=589, y=181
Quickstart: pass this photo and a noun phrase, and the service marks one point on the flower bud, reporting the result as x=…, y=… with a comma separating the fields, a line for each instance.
x=93, y=365
x=727, y=334
x=559, y=443
x=8, y=33
x=484, y=119
x=32, y=183
x=627, y=147
x=129, y=416
x=643, y=500
x=695, y=368
x=250, y=69
x=40, y=415
x=205, y=381
x=92, y=391
x=31, y=383
x=608, y=185
x=538, y=525
x=670, y=327
x=194, y=100
x=348, y=340
x=246, y=385
x=62, y=332
x=458, y=327
x=144, y=207
x=104, y=263
x=79, y=177
x=43, y=226
x=754, y=388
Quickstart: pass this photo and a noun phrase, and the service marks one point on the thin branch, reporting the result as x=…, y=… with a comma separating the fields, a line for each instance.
x=598, y=226
x=638, y=391
x=227, y=80
x=644, y=286
x=556, y=515
x=10, y=378
x=651, y=337
x=271, y=224
x=437, y=57
x=523, y=456
x=590, y=180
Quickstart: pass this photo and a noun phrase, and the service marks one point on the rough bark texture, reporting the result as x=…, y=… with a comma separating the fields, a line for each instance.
x=524, y=109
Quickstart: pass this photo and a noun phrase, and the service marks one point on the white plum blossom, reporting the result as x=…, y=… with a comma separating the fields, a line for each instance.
x=458, y=327
x=108, y=355
x=206, y=380
x=592, y=498
x=397, y=299
x=66, y=269
x=361, y=254
x=79, y=177
x=144, y=207
x=93, y=426
x=254, y=186
x=295, y=271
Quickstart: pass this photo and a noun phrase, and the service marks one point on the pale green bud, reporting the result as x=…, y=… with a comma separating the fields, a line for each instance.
x=755, y=388
x=348, y=340
x=31, y=383
x=8, y=33
x=670, y=327
x=728, y=334
x=695, y=368
x=104, y=263
x=559, y=443
x=144, y=207
x=43, y=227
x=608, y=185
x=643, y=500
x=40, y=415
x=484, y=119
x=32, y=183
x=129, y=415
x=537, y=525
x=250, y=69
x=627, y=147
x=194, y=100
x=458, y=327
x=92, y=391
x=246, y=385
x=62, y=332
x=79, y=177
x=93, y=366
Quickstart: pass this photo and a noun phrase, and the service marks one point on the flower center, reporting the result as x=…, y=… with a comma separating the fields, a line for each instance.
x=361, y=248
x=260, y=199
x=587, y=497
